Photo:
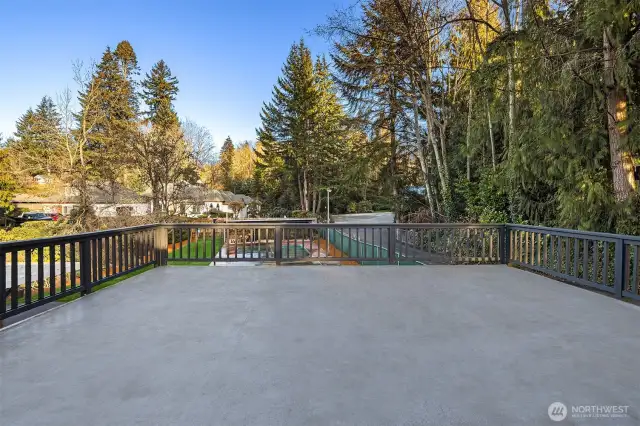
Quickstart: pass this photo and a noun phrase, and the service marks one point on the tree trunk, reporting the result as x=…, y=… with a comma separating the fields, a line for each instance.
x=469, y=132
x=428, y=110
x=511, y=84
x=430, y=115
x=300, y=192
x=305, y=191
x=313, y=201
x=621, y=160
x=394, y=148
x=420, y=154
x=491, y=140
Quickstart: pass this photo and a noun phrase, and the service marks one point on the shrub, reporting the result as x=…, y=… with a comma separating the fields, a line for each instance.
x=364, y=206
x=491, y=215
x=275, y=212
x=482, y=201
x=253, y=209
x=31, y=230
x=302, y=214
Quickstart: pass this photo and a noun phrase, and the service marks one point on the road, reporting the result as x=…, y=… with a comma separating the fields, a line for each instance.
x=34, y=272
x=380, y=237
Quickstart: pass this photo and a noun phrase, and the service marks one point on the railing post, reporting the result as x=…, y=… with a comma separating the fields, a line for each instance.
x=85, y=266
x=620, y=267
x=392, y=245
x=277, y=242
x=161, y=245
x=504, y=244
x=3, y=285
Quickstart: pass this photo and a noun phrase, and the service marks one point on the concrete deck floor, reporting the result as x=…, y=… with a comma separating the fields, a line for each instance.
x=319, y=345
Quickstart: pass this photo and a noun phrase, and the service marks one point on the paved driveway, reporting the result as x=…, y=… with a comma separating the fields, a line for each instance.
x=46, y=272
x=378, y=237
x=323, y=345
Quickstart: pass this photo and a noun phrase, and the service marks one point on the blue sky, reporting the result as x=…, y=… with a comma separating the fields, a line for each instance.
x=226, y=54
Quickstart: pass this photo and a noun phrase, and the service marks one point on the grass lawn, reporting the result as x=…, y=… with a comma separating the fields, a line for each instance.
x=200, y=250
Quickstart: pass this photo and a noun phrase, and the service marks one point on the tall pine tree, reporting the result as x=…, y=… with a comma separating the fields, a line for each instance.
x=163, y=155
x=115, y=114
x=36, y=132
x=226, y=163
x=303, y=132
x=159, y=90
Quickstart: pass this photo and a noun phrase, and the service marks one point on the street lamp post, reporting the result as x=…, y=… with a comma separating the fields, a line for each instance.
x=328, y=214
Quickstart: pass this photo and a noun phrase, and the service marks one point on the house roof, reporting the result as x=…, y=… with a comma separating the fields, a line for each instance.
x=213, y=195
x=244, y=198
x=203, y=194
x=99, y=195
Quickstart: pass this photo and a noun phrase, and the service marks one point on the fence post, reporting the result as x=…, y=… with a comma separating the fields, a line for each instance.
x=504, y=244
x=392, y=245
x=3, y=285
x=277, y=242
x=161, y=243
x=85, y=266
x=620, y=267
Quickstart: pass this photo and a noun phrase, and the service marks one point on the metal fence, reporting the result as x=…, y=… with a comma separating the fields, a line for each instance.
x=361, y=243
x=40, y=271
x=239, y=242
x=606, y=262
x=422, y=243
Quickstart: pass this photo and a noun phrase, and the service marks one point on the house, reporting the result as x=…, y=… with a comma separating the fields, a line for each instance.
x=108, y=201
x=197, y=200
x=222, y=201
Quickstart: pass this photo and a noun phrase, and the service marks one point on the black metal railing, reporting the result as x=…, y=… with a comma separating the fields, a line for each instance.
x=606, y=262
x=393, y=243
x=39, y=271
x=36, y=272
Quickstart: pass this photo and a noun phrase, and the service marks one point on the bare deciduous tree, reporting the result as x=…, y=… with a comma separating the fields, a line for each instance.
x=199, y=140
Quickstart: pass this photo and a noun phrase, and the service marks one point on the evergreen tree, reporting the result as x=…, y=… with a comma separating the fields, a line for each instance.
x=25, y=126
x=226, y=163
x=36, y=132
x=159, y=91
x=109, y=101
x=369, y=78
x=127, y=59
x=7, y=183
x=166, y=159
x=330, y=137
x=301, y=126
x=128, y=66
x=117, y=94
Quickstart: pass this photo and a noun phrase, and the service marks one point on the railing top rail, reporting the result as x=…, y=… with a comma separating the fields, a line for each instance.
x=71, y=238
x=576, y=233
x=40, y=242
x=337, y=225
x=274, y=220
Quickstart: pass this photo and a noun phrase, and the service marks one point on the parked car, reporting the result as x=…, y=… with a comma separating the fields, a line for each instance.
x=33, y=216
x=54, y=216
x=7, y=222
